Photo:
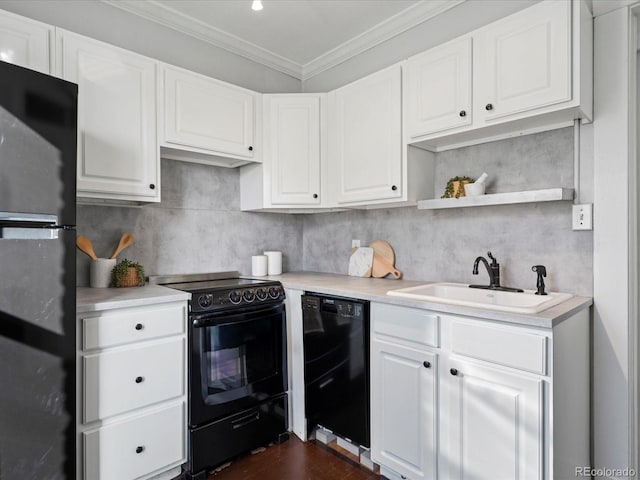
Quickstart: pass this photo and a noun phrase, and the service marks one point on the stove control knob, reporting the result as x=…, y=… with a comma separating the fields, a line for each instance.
x=206, y=300
x=248, y=295
x=274, y=292
x=261, y=293
x=235, y=297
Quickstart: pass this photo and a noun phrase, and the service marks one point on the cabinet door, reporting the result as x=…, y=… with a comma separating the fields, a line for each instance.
x=204, y=113
x=25, y=42
x=293, y=137
x=438, y=89
x=117, y=150
x=403, y=409
x=524, y=61
x=492, y=424
x=365, y=152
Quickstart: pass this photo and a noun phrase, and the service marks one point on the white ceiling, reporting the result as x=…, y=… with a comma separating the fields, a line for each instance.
x=299, y=37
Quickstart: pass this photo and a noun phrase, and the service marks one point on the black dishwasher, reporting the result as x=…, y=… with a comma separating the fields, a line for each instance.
x=336, y=365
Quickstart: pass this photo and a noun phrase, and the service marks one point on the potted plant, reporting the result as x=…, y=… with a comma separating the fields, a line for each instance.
x=127, y=274
x=455, y=187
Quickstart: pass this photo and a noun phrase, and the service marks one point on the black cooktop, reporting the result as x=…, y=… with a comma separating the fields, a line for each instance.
x=222, y=290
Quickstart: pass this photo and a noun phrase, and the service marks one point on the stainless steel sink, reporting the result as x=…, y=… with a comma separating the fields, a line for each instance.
x=461, y=294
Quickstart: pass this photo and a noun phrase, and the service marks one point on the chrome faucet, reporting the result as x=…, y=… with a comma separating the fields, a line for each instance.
x=493, y=270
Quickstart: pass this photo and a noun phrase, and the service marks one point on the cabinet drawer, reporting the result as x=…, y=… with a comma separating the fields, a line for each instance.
x=116, y=382
x=136, y=447
x=502, y=345
x=132, y=325
x=412, y=324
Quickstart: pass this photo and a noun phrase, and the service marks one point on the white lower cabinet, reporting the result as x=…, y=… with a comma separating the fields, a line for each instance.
x=132, y=394
x=480, y=399
x=492, y=423
x=403, y=409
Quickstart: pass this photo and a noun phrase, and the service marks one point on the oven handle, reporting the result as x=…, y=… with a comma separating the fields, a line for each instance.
x=246, y=420
x=223, y=319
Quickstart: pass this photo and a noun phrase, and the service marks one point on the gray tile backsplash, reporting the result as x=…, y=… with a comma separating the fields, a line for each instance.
x=199, y=227
x=441, y=245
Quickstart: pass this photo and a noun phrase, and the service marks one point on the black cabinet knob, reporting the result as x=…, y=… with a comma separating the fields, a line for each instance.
x=315, y=195
x=250, y=148
x=394, y=188
x=454, y=371
x=152, y=186
x=139, y=379
x=426, y=364
x=488, y=107
x=139, y=449
x=463, y=113
x=139, y=326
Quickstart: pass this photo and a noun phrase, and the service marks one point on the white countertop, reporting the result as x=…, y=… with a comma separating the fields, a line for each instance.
x=372, y=289
x=98, y=299
x=375, y=289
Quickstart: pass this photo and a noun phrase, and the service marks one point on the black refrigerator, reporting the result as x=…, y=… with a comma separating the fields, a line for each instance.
x=38, y=124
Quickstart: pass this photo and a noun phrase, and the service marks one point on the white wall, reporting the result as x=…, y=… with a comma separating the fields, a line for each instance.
x=115, y=26
x=612, y=412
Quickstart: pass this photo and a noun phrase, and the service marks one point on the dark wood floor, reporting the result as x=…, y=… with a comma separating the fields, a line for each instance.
x=293, y=460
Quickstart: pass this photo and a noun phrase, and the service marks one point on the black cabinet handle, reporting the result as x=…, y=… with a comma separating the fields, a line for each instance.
x=315, y=195
x=139, y=326
x=488, y=107
x=426, y=364
x=463, y=113
x=152, y=186
x=139, y=379
x=454, y=371
x=394, y=188
x=139, y=449
x=250, y=148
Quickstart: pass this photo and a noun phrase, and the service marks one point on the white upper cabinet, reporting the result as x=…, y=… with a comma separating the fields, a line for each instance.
x=117, y=149
x=291, y=175
x=25, y=42
x=292, y=137
x=365, y=139
x=523, y=62
x=528, y=72
x=438, y=89
x=206, y=116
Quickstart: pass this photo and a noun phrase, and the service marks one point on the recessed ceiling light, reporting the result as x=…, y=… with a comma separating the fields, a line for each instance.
x=256, y=5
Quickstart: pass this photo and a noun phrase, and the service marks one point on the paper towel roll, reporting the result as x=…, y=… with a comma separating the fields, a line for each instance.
x=274, y=266
x=259, y=265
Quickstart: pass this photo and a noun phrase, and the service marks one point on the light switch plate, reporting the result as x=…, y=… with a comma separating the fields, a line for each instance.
x=582, y=218
x=355, y=243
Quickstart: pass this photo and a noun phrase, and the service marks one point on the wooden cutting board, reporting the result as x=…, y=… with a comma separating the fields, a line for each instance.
x=360, y=262
x=383, y=260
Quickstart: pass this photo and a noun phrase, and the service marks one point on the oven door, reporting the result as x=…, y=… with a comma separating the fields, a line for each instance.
x=238, y=359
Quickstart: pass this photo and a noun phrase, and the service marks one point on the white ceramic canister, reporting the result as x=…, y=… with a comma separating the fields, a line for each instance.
x=259, y=265
x=100, y=272
x=274, y=266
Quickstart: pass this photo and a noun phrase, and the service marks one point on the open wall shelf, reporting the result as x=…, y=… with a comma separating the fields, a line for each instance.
x=531, y=196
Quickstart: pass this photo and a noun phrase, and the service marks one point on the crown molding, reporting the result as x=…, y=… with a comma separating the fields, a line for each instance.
x=393, y=26
x=171, y=18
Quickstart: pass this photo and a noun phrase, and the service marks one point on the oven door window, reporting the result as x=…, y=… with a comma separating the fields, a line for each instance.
x=239, y=355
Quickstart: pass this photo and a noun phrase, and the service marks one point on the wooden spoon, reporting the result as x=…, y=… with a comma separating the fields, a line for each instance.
x=84, y=245
x=125, y=241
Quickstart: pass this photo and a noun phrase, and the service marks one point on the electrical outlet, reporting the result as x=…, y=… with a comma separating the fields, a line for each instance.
x=582, y=218
x=355, y=243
